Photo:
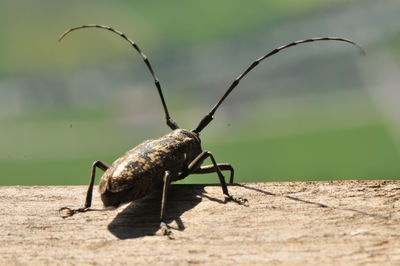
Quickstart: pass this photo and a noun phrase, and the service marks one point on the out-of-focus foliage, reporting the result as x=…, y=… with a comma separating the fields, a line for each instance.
x=317, y=111
x=29, y=30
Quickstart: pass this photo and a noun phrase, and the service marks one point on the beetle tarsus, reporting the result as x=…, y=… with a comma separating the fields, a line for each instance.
x=68, y=212
x=165, y=229
x=238, y=200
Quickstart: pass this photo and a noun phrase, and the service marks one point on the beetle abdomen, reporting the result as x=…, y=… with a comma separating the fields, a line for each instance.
x=140, y=188
x=141, y=170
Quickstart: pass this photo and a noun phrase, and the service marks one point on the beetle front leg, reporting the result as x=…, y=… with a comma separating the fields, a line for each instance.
x=194, y=167
x=164, y=228
x=88, y=201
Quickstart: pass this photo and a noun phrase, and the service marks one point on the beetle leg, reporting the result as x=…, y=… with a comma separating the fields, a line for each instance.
x=194, y=167
x=211, y=169
x=88, y=201
x=164, y=228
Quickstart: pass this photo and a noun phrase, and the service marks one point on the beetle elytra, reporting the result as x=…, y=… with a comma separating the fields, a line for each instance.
x=156, y=163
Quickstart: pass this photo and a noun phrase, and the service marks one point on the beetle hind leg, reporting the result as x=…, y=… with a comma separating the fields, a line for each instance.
x=206, y=169
x=66, y=211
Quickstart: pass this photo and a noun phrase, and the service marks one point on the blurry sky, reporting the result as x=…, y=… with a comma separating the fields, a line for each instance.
x=312, y=112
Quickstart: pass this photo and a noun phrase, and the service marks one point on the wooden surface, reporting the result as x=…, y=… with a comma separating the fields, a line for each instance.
x=347, y=222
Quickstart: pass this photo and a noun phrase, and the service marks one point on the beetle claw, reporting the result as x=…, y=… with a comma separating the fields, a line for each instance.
x=238, y=200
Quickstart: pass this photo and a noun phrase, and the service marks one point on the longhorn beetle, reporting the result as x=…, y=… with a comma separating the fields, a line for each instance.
x=156, y=163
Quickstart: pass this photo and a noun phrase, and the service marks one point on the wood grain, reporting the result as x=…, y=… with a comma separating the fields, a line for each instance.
x=339, y=222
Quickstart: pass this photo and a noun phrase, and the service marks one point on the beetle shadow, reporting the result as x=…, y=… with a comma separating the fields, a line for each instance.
x=142, y=217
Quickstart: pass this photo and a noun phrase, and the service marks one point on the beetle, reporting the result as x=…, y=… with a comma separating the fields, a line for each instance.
x=156, y=163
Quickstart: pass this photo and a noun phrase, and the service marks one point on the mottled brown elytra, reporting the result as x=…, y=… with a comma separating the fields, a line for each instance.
x=156, y=163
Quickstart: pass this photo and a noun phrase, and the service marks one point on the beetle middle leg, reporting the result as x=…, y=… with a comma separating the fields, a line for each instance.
x=88, y=201
x=167, y=180
x=194, y=168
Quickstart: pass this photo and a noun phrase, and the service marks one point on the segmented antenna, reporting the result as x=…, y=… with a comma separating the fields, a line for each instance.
x=171, y=123
x=209, y=117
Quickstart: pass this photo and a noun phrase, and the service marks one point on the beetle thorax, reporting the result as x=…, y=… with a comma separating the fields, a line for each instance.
x=191, y=139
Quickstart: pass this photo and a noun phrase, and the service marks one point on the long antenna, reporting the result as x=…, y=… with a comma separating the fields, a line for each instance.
x=209, y=117
x=171, y=123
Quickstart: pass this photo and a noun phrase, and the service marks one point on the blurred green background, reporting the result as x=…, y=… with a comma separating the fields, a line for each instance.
x=313, y=112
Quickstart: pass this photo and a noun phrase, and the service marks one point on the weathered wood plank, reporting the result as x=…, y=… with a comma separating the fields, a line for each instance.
x=346, y=222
